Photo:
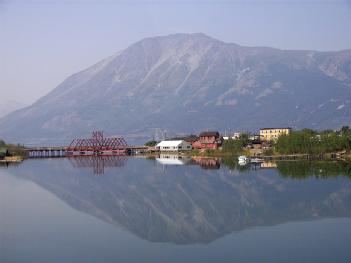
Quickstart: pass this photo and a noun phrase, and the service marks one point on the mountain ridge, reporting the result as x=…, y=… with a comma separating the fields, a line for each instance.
x=196, y=80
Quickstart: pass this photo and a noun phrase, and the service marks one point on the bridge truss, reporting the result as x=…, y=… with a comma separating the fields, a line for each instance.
x=98, y=143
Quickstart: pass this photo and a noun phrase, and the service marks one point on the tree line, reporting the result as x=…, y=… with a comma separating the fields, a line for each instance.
x=314, y=142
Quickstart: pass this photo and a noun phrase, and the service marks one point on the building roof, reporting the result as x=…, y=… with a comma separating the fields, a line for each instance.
x=190, y=138
x=209, y=133
x=277, y=128
x=169, y=143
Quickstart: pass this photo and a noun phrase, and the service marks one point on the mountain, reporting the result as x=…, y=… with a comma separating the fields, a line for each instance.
x=8, y=106
x=187, y=83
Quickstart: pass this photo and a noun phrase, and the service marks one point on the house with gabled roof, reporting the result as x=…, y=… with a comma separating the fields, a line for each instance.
x=208, y=140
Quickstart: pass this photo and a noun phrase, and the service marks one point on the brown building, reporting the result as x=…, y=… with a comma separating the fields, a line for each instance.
x=272, y=134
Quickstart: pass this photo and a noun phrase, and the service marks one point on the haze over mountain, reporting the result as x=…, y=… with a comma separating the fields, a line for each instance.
x=185, y=83
x=9, y=106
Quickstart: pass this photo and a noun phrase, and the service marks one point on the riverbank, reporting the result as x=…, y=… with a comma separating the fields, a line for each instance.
x=275, y=156
x=303, y=144
x=12, y=159
x=10, y=153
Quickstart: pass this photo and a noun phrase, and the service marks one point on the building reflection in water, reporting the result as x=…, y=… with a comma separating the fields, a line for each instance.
x=98, y=163
x=268, y=165
x=171, y=159
x=205, y=163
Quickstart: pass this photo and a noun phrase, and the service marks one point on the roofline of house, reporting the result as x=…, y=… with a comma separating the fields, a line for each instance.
x=289, y=128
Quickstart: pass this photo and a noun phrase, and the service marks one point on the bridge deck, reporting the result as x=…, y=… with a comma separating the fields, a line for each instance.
x=45, y=149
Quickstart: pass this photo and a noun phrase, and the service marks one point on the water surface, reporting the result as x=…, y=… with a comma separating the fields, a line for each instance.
x=173, y=210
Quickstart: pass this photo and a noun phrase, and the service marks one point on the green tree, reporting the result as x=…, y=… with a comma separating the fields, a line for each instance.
x=235, y=146
x=151, y=143
x=312, y=142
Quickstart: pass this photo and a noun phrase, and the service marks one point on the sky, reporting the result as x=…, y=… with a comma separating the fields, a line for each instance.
x=42, y=42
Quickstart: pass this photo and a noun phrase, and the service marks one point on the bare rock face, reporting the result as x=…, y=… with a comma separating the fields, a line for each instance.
x=191, y=82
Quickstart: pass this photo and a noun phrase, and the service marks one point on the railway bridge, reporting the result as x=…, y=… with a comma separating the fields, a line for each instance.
x=96, y=145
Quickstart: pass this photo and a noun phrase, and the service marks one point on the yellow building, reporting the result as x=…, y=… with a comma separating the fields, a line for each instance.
x=271, y=134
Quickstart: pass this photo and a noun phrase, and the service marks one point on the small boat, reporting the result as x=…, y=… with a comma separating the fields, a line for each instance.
x=243, y=159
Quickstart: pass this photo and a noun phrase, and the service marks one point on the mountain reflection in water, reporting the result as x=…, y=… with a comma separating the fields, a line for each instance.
x=97, y=163
x=187, y=204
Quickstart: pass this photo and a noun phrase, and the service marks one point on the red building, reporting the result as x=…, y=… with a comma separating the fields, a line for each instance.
x=208, y=140
x=190, y=139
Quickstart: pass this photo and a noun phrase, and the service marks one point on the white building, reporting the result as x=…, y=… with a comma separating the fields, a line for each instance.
x=174, y=146
x=235, y=136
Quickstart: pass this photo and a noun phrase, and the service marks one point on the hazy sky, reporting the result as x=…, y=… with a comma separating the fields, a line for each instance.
x=43, y=42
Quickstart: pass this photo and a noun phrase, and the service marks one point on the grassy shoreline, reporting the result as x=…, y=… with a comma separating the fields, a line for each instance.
x=11, y=153
x=275, y=156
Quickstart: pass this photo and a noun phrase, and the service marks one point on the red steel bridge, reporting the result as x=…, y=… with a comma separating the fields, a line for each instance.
x=98, y=144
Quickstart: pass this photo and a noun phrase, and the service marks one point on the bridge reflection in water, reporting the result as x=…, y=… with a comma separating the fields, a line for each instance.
x=98, y=163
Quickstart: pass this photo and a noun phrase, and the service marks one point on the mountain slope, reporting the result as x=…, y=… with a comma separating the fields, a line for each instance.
x=191, y=82
x=8, y=106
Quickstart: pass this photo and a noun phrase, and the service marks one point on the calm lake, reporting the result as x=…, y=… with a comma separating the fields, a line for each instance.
x=128, y=209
